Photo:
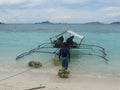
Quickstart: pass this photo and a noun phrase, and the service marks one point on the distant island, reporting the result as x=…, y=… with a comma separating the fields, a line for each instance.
x=44, y=22
x=115, y=23
x=93, y=23
x=1, y=23
x=48, y=22
x=98, y=23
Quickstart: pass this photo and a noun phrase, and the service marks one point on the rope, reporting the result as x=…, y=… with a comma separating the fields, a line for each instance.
x=19, y=73
x=15, y=74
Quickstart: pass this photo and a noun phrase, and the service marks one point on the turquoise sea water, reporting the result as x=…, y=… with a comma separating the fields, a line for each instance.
x=18, y=38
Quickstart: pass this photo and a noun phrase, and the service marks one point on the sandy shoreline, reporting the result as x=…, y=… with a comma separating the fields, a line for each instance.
x=51, y=81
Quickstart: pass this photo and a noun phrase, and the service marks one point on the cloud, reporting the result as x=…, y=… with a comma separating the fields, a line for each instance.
x=72, y=1
x=40, y=2
x=62, y=17
x=59, y=10
x=53, y=3
x=117, y=14
x=57, y=15
x=112, y=8
x=33, y=3
x=109, y=1
x=9, y=2
x=113, y=11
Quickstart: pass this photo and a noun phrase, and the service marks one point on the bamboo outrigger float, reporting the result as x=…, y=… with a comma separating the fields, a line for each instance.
x=76, y=45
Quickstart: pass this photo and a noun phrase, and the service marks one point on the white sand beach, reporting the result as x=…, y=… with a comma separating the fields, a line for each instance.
x=51, y=81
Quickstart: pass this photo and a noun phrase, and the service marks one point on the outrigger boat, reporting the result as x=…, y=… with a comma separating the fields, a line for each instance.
x=77, y=47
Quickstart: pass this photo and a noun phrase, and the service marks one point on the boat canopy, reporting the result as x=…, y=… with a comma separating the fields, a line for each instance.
x=75, y=34
x=69, y=32
x=66, y=35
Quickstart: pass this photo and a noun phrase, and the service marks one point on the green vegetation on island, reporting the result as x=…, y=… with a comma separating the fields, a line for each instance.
x=1, y=23
x=44, y=22
x=115, y=23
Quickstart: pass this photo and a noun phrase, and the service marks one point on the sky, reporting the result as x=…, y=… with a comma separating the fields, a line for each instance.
x=64, y=11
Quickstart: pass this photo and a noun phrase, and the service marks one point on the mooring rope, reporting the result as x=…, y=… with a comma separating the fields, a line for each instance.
x=19, y=73
x=16, y=74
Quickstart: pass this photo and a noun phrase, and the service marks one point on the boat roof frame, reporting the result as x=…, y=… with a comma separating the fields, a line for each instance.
x=70, y=32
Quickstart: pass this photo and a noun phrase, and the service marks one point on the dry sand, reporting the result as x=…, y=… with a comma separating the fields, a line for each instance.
x=51, y=81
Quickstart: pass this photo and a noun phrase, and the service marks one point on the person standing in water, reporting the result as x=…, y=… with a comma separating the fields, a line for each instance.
x=64, y=55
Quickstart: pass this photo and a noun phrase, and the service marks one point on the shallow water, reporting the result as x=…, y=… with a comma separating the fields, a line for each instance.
x=16, y=39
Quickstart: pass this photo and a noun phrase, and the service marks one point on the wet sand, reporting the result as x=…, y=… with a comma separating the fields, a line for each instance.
x=51, y=81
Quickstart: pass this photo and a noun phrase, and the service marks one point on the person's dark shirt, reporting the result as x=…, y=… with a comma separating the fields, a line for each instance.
x=64, y=52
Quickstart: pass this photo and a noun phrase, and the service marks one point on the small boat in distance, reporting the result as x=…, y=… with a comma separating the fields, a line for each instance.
x=75, y=43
